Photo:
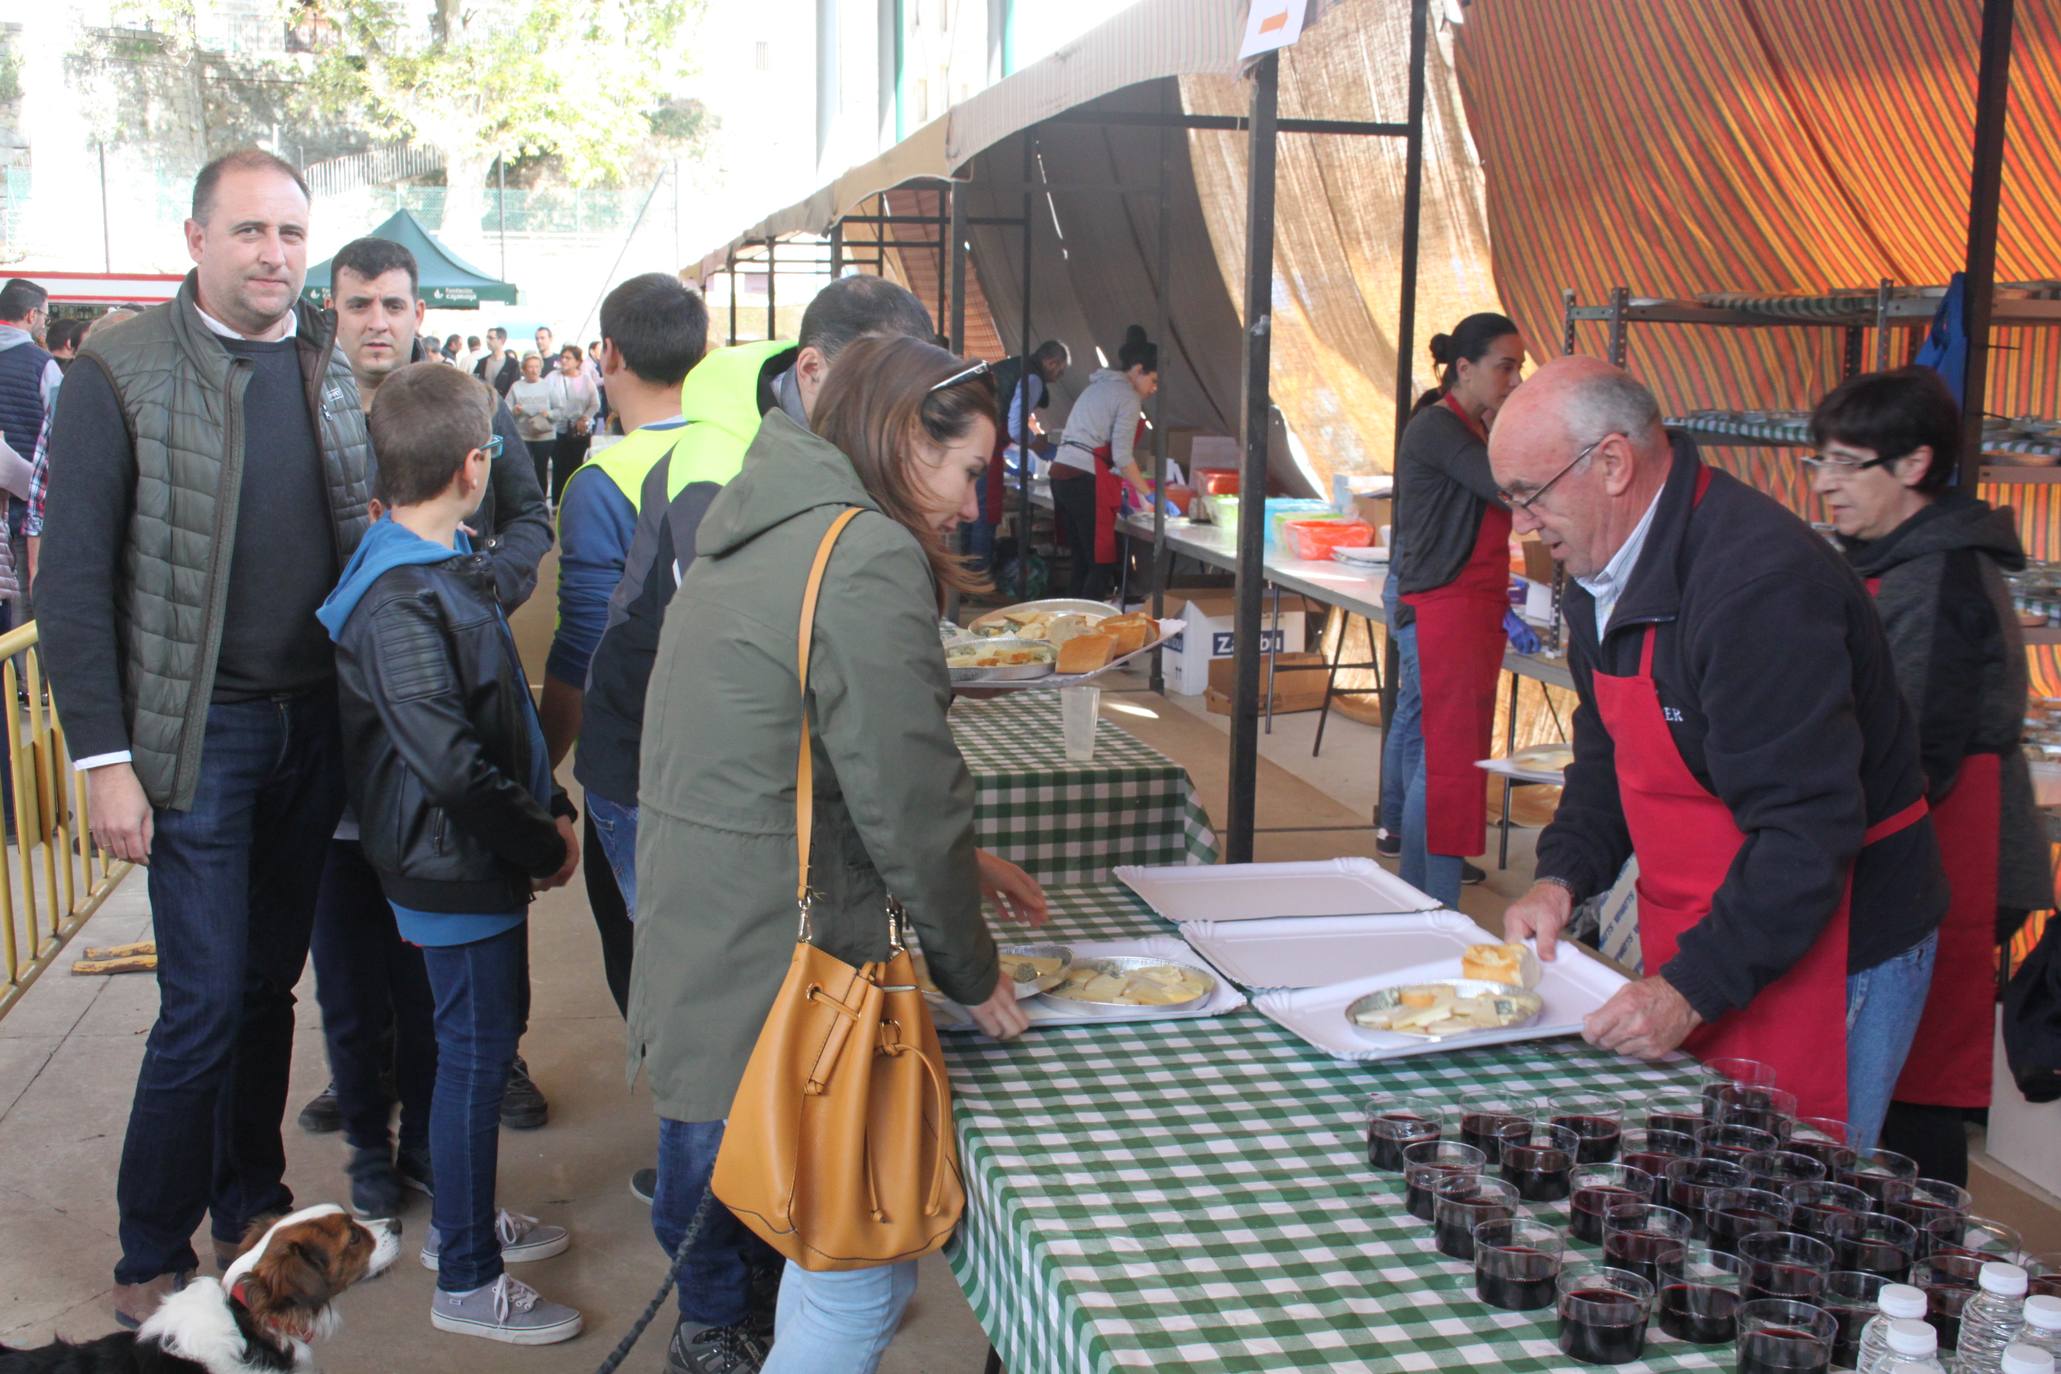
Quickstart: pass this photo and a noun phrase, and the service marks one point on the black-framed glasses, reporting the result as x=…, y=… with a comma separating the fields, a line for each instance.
x=1817, y=464
x=964, y=374
x=1525, y=503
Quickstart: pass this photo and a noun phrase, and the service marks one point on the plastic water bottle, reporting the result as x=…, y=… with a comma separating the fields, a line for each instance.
x=1896, y=1302
x=2027, y=1359
x=1992, y=1319
x=1913, y=1349
x=2042, y=1325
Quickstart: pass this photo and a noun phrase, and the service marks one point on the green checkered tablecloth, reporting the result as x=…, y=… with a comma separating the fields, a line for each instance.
x=1073, y=822
x=1195, y=1195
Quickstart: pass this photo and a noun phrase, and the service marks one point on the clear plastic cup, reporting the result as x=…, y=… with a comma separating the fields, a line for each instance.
x=1077, y=708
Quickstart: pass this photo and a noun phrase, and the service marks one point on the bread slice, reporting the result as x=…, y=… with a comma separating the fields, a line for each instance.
x=1512, y=964
x=1086, y=653
x=1131, y=632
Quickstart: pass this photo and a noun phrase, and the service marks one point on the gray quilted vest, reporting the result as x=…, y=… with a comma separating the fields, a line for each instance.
x=182, y=393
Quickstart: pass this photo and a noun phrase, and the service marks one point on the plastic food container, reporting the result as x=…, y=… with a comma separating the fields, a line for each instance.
x=1317, y=538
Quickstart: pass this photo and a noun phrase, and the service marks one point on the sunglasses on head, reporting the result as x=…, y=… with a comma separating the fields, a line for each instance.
x=963, y=375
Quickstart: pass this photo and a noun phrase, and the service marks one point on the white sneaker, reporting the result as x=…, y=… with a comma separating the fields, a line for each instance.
x=506, y=1310
x=522, y=1238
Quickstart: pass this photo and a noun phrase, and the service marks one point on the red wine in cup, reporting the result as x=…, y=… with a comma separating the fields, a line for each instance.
x=1872, y=1256
x=1681, y=1122
x=1525, y=1283
x=1391, y=1134
x=1943, y=1309
x=2044, y=1285
x=1846, y=1347
x=1835, y=1157
x=1700, y=1313
x=1651, y=1161
x=1653, y=1257
x=1540, y=1173
x=1877, y=1184
x=1822, y=1220
x=1598, y=1136
x=1484, y=1131
x=1418, y=1194
x=1782, y=1350
x=1728, y=1225
x=1797, y=1282
x=1455, y=1231
x=1599, y=1326
x=1590, y=1205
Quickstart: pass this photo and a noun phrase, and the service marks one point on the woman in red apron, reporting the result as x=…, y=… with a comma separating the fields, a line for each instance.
x=1094, y=462
x=1452, y=566
x=1934, y=560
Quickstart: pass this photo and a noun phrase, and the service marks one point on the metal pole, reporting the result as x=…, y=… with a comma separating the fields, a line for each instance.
x=1252, y=487
x=1162, y=555
x=772, y=290
x=676, y=211
x=944, y=234
x=1406, y=320
x=837, y=250
x=501, y=209
x=106, y=241
x=958, y=228
x=1992, y=89
x=730, y=266
x=1023, y=467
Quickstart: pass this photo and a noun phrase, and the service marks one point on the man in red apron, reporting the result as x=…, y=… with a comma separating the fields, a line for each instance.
x=1740, y=731
x=1934, y=559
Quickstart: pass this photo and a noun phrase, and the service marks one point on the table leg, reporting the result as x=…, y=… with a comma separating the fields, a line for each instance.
x=1509, y=747
x=1345, y=623
x=1268, y=682
x=994, y=1364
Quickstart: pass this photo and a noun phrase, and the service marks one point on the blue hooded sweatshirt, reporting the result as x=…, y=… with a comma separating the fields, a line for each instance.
x=386, y=546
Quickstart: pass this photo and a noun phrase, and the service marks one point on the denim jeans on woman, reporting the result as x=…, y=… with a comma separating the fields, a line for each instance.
x=1402, y=741
x=715, y=1278
x=481, y=1008
x=838, y=1323
x=232, y=897
x=1883, y=1004
x=1435, y=875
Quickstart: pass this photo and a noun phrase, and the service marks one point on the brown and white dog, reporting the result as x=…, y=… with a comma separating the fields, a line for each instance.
x=260, y=1317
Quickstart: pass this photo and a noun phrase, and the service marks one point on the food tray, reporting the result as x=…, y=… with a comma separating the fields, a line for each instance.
x=1542, y=763
x=983, y=677
x=1523, y=1008
x=1313, y=951
x=1056, y=605
x=1250, y=892
x=1043, y=1011
x=1167, y=630
x=1574, y=985
x=1127, y=963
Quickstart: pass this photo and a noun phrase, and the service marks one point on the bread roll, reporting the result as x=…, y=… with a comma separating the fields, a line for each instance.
x=1512, y=964
x=1131, y=633
x=1086, y=653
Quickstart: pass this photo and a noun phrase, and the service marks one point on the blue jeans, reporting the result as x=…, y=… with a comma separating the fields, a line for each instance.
x=1402, y=742
x=715, y=1279
x=368, y=978
x=615, y=825
x=1883, y=1004
x=480, y=1012
x=838, y=1323
x=232, y=898
x=1435, y=875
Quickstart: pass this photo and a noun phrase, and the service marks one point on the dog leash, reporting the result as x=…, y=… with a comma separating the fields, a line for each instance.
x=624, y=1346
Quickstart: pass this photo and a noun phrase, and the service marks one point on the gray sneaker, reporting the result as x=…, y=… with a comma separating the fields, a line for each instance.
x=522, y=1238
x=506, y=1310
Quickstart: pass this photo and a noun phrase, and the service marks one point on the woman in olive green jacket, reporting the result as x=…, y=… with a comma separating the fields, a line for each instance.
x=716, y=862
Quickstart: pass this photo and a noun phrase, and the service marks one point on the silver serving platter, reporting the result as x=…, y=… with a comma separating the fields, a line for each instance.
x=1031, y=987
x=993, y=623
x=1125, y=963
x=1521, y=1008
x=1022, y=672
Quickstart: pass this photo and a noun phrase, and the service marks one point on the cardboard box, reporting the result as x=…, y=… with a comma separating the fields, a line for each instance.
x=1209, y=637
x=1299, y=690
x=1375, y=510
x=1538, y=564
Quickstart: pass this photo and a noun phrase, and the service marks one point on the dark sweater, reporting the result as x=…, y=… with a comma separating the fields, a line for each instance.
x=285, y=555
x=1443, y=487
x=1771, y=664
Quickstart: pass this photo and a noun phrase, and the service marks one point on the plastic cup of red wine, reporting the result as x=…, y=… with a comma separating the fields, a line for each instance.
x=1731, y=1214
x=1776, y=1170
x=1727, y=1078
x=1603, y=1313
x=1826, y=1210
x=1851, y=1296
x=1734, y=1142
x=1682, y=1115
x=1825, y=1139
x=1924, y=1200
x=1396, y=1120
x=2044, y=1273
x=1643, y=1147
x=1595, y=1189
x=1877, y=1243
x=1428, y=1163
x=1597, y=1120
x=1948, y=1282
x=1538, y=1159
x=1464, y=1202
x=1976, y=1237
x=1766, y=1109
x=1485, y=1112
x=1785, y=1264
x=1777, y=1336
x=1690, y=1182
x=1701, y=1304
x=1515, y=1264
x=1880, y=1173
x=1646, y=1239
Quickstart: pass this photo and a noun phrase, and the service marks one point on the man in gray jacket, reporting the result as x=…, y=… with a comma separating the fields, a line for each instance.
x=216, y=475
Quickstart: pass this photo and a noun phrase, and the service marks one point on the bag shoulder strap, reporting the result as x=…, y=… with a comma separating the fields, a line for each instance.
x=805, y=770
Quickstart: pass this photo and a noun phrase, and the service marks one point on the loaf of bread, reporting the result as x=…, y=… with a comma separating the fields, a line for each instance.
x=1086, y=653
x=1512, y=964
x=1131, y=632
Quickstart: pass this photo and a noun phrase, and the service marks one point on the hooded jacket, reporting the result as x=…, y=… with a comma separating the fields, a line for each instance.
x=1960, y=660
x=444, y=758
x=715, y=834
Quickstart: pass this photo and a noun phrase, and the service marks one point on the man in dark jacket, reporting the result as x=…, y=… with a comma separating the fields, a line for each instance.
x=1740, y=730
x=1935, y=558
x=197, y=690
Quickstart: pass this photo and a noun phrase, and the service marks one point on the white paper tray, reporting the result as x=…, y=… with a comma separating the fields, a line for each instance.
x=1044, y=1011
x=1574, y=985
x=1313, y=951
x=1251, y=892
x=1167, y=630
x=1525, y=766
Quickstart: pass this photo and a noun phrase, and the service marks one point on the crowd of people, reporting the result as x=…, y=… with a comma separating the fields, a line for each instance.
x=275, y=548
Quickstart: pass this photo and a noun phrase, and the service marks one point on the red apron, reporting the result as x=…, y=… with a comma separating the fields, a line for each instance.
x=1949, y=1065
x=1109, y=496
x=1686, y=840
x=1460, y=643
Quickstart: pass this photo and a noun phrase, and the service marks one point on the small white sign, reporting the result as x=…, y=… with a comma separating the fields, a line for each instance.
x=1271, y=25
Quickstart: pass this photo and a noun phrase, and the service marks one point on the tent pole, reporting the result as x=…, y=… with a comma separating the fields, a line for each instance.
x=1406, y=317
x=1023, y=465
x=772, y=289
x=1252, y=489
x=944, y=234
x=1992, y=91
x=731, y=268
x=1162, y=555
x=501, y=208
x=837, y=250
x=958, y=231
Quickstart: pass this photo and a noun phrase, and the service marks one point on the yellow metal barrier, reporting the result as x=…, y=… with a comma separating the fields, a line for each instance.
x=52, y=876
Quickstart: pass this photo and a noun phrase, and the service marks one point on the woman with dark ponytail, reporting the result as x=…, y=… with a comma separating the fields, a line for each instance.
x=1451, y=573
x=1094, y=462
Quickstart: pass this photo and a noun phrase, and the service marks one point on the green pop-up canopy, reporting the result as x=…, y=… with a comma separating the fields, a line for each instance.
x=447, y=281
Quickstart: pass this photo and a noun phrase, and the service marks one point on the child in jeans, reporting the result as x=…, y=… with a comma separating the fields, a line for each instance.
x=458, y=815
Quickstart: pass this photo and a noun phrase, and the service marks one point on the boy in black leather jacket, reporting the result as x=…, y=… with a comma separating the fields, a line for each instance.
x=458, y=815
